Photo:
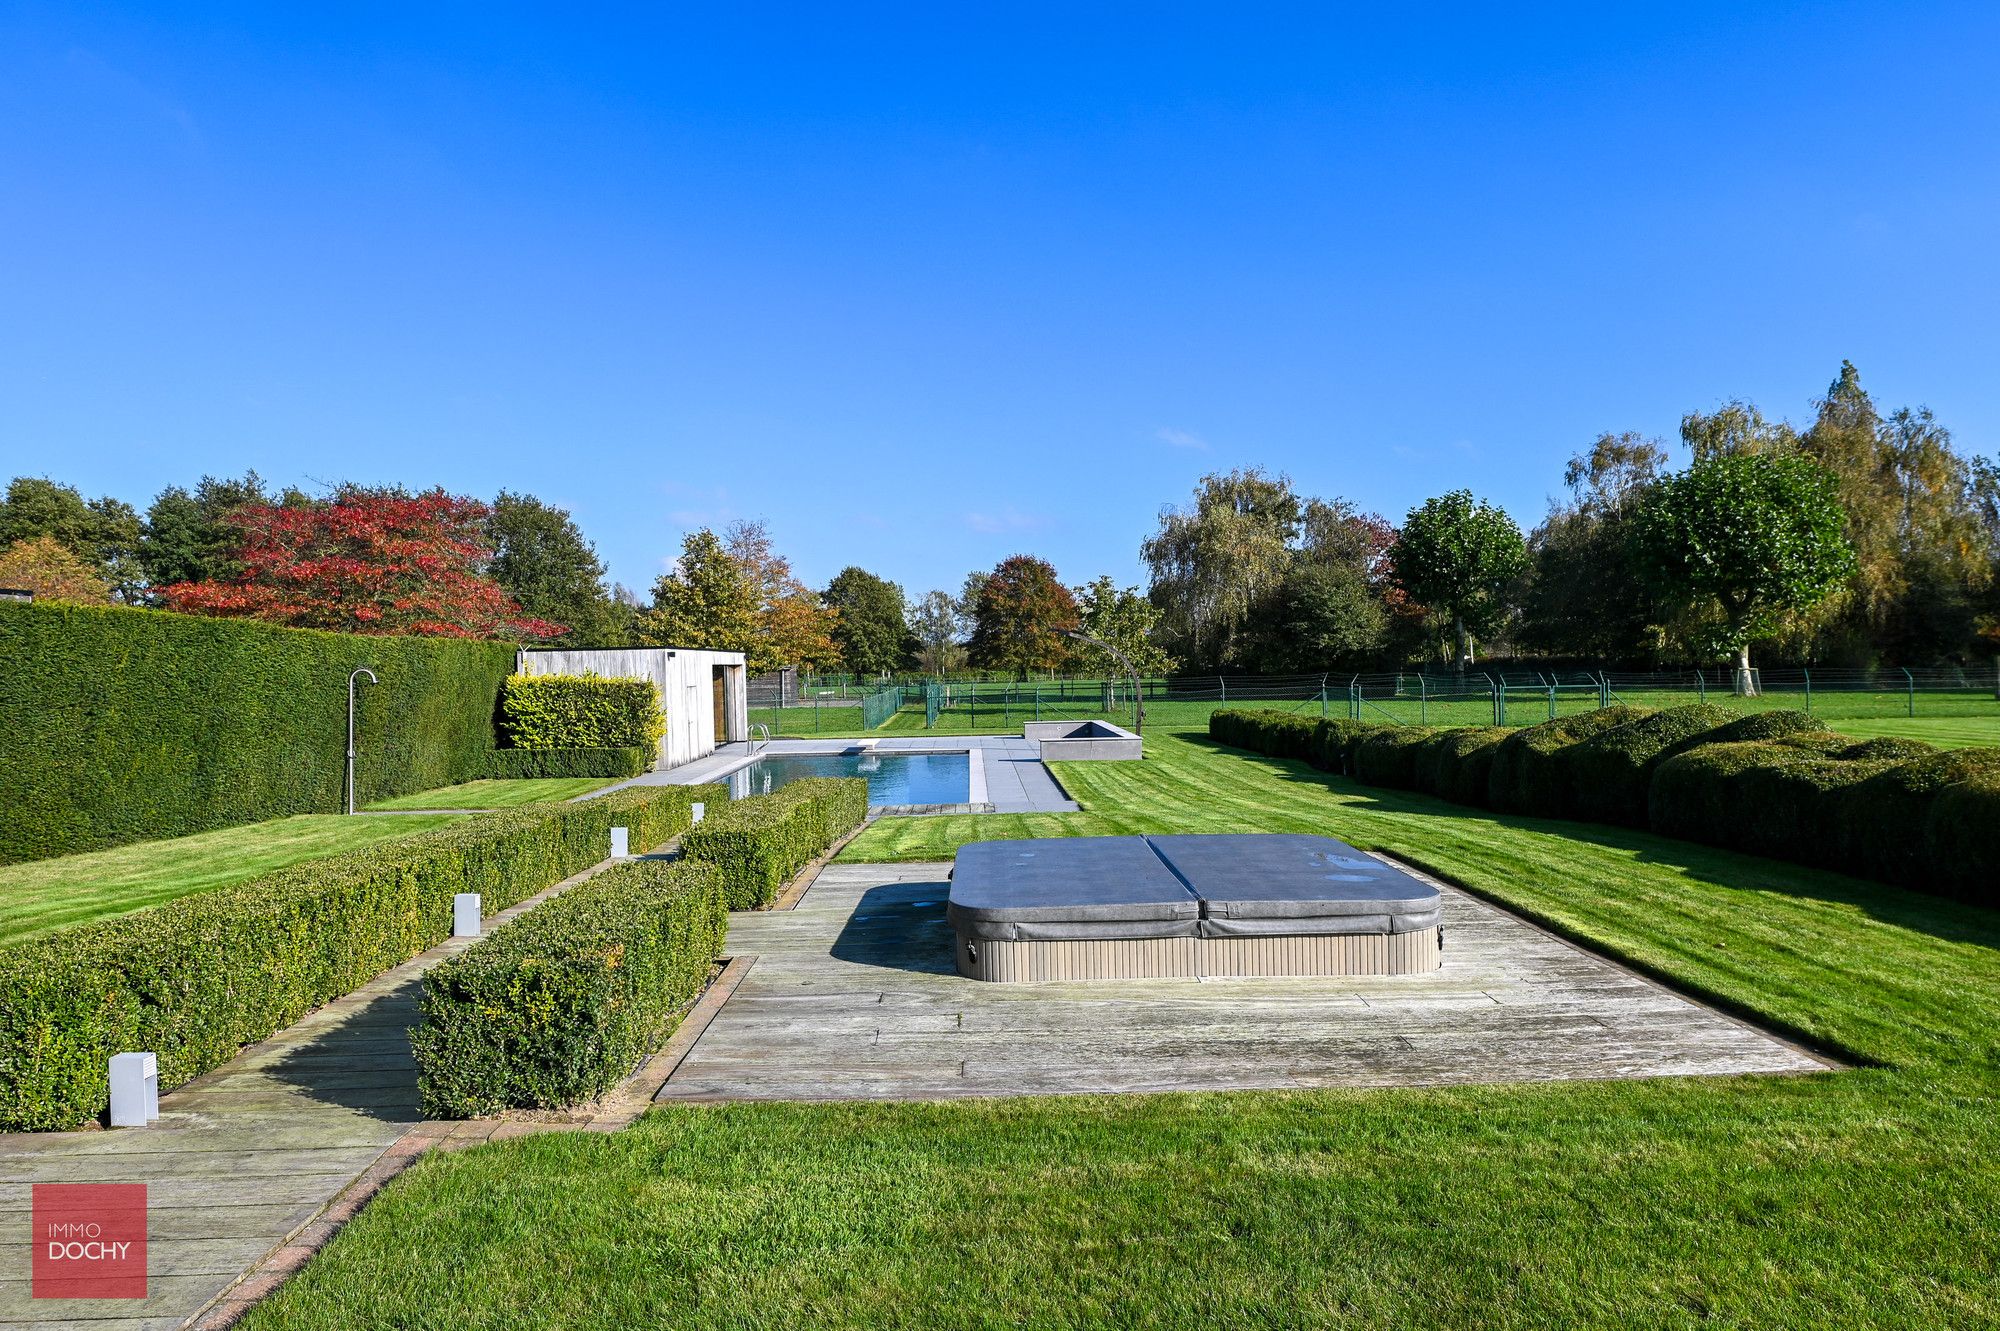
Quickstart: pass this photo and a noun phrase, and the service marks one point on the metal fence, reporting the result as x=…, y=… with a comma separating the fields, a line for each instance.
x=879, y=706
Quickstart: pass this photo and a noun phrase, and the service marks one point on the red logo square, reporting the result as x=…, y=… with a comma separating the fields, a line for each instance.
x=90, y=1241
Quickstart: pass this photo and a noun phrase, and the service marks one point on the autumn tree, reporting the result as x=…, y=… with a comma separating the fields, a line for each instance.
x=542, y=559
x=103, y=532
x=873, y=634
x=1462, y=558
x=1121, y=618
x=1019, y=621
x=1759, y=536
x=52, y=571
x=794, y=626
x=366, y=561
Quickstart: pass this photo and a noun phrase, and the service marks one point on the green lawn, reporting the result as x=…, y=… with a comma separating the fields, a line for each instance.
x=498, y=794
x=1866, y=1197
x=53, y=894
x=1947, y=732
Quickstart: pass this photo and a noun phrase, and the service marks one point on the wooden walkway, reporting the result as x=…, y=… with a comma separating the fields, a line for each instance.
x=261, y=1158
x=851, y=995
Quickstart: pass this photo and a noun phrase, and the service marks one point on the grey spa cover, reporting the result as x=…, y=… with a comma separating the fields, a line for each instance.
x=1291, y=884
x=1070, y=888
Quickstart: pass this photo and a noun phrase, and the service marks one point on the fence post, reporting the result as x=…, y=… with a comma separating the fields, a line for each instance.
x=1423, y=701
x=1223, y=685
x=1808, y=675
x=1354, y=698
x=1700, y=687
x=1603, y=691
x=1038, y=700
x=1912, y=681
x=1552, y=702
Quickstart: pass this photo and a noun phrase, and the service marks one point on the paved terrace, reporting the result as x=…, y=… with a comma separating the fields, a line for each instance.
x=851, y=996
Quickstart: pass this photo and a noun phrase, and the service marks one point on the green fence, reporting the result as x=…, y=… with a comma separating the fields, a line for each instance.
x=879, y=706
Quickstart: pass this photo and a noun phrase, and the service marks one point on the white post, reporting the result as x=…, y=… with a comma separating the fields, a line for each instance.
x=135, y=1090
x=465, y=915
x=697, y=809
x=621, y=843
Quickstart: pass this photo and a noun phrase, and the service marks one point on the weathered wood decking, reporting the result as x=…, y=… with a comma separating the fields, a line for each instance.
x=852, y=996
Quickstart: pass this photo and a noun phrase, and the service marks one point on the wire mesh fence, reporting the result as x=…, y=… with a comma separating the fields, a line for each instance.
x=1512, y=697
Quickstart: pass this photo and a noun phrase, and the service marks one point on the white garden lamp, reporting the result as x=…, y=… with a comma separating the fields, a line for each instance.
x=363, y=670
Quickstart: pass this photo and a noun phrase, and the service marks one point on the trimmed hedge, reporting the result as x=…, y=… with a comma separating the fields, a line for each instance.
x=558, y=1006
x=1529, y=777
x=520, y=764
x=1388, y=757
x=580, y=712
x=1277, y=734
x=1888, y=818
x=760, y=842
x=1458, y=764
x=1610, y=774
x=1765, y=797
x=1962, y=834
x=197, y=978
x=129, y=725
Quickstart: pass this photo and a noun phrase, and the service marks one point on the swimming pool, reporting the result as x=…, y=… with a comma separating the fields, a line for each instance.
x=893, y=778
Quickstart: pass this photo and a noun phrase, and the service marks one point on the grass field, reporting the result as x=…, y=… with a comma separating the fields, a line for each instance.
x=54, y=894
x=498, y=794
x=1863, y=1197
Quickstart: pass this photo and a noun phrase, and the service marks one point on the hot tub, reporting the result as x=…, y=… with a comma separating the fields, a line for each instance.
x=1146, y=907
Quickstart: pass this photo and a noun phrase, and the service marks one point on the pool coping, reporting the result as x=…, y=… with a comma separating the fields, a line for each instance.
x=1036, y=791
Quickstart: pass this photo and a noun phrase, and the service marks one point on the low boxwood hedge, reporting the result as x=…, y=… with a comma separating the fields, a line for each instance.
x=760, y=842
x=197, y=978
x=1326, y=743
x=1528, y=777
x=1962, y=836
x=1458, y=764
x=1388, y=756
x=558, y=1006
x=1609, y=773
x=518, y=764
x=1888, y=819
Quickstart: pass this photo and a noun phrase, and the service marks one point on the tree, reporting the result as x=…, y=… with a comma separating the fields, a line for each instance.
x=1462, y=559
x=938, y=622
x=794, y=626
x=1758, y=535
x=1584, y=595
x=366, y=561
x=1121, y=618
x=1213, y=561
x=103, y=532
x=705, y=601
x=188, y=536
x=52, y=571
x=1323, y=616
x=542, y=560
x=1736, y=427
x=871, y=631
x=1019, y=621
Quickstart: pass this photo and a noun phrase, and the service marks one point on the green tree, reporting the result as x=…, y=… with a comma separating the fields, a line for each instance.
x=187, y=536
x=544, y=562
x=104, y=532
x=938, y=623
x=1585, y=595
x=706, y=601
x=1213, y=561
x=1324, y=616
x=1019, y=621
x=1757, y=536
x=1735, y=427
x=1462, y=558
x=871, y=631
x=1124, y=619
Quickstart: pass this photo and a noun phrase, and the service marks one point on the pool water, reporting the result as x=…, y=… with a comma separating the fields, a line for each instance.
x=893, y=778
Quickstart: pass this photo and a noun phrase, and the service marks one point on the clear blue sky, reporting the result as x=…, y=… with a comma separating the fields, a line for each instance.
x=925, y=287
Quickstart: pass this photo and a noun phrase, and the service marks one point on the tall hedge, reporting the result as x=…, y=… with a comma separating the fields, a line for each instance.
x=580, y=712
x=197, y=978
x=758, y=843
x=127, y=725
x=556, y=1007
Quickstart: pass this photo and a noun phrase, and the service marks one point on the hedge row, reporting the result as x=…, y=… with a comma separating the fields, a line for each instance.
x=1771, y=783
x=760, y=842
x=128, y=725
x=580, y=712
x=559, y=1005
x=516, y=764
x=196, y=979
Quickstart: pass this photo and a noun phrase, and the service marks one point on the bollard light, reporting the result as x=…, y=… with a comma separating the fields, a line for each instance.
x=621, y=842
x=135, y=1090
x=696, y=810
x=465, y=915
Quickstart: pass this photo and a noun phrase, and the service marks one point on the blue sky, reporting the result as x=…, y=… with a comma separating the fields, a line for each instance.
x=924, y=287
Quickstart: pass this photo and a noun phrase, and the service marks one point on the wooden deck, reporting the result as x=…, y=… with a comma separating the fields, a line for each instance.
x=852, y=996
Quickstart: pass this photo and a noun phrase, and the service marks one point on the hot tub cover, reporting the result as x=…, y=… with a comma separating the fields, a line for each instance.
x=1282, y=883
x=1073, y=887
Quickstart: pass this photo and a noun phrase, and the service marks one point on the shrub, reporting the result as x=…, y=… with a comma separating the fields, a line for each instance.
x=559, y=1005
x=1388, y=755
x=1527, y=778
x=197, y=978
x=1766, y=797
x=1962, y=838
x=1262, y=730
x=1609, y=774
x=517, y=764
x=580, y=712
x=1888, y=818
x=758, y=843
x=1460, y=762
x=128, y=725
x=1337, y=739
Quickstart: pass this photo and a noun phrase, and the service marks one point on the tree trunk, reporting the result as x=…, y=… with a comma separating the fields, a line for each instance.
x=1464, y=645
x=1746, y=682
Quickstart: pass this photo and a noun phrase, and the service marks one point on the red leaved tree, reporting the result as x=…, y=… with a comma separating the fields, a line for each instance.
x=365, y=562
